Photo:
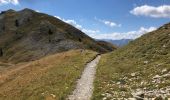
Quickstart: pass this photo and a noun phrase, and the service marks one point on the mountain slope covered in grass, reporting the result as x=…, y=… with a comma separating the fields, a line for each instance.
x=140, y=69
x=28, y=35
x=50, y=78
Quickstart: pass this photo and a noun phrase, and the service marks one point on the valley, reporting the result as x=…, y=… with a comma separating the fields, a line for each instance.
x=43, y=57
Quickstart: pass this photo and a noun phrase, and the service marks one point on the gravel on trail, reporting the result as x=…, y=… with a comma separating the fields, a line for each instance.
x=84, y=88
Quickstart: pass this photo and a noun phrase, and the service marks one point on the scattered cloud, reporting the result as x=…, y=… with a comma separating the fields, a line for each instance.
x=70, y=21
x=111, y=24
x=37, y=11
x=90, y=31
x=108, y=23
x=125, y=35
x=80, y=27
x=151, y=11
x=14, y=2
x=74, y=23
x=115, y=35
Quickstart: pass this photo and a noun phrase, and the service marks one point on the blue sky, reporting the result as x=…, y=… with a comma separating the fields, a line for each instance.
x=109, y=19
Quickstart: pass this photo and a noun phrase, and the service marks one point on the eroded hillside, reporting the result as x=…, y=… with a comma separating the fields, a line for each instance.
x=28, y=35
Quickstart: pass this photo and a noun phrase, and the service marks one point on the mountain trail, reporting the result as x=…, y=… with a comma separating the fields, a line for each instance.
x=84, y=88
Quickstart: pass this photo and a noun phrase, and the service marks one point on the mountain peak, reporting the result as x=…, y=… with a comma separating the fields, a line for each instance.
x=27, y=10
x=37, y=35
x=10, y=10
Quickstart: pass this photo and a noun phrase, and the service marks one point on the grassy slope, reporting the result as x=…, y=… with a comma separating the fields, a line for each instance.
x=31, y=39
x=147, y=57
x=49, y=78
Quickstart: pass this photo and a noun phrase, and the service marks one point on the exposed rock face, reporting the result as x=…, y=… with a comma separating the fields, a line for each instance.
x=27, y=35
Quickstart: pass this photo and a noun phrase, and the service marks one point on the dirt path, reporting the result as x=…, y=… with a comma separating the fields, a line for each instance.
x=84, y=88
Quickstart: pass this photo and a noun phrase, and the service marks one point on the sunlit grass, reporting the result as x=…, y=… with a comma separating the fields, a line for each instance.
x=146, y=57
x=53, y=77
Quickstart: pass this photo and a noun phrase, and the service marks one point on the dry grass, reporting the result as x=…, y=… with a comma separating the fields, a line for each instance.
x=52, y=77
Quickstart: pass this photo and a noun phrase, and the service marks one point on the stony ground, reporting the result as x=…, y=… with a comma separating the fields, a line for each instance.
x=140, y=79
x=84, y=88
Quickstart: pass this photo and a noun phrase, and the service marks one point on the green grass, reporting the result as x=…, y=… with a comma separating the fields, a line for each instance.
x=51, y=78
x=114, y=70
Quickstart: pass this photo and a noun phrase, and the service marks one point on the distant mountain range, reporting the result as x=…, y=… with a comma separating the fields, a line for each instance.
x=118, y=43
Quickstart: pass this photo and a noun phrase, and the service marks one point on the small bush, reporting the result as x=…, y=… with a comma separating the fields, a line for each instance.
x=50, y=32
x=3, y=28
x=1, y=52
x=80, y=40
x=16, y=23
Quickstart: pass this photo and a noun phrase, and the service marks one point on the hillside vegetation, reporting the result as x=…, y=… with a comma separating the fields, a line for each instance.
x=51, y=78
x=141, y=69
x=27, y=35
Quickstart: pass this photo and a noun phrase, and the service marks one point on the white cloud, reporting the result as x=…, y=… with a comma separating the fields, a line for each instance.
x=74, y=23
x=3, y=2
x=126, y=35
x=70, y=21
x=15, y=2
x=80, y=27
x=151, y=11
x=111, y=24
x=108, y=23
x=115, y=35
x=90, y=31
x=37, y=11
